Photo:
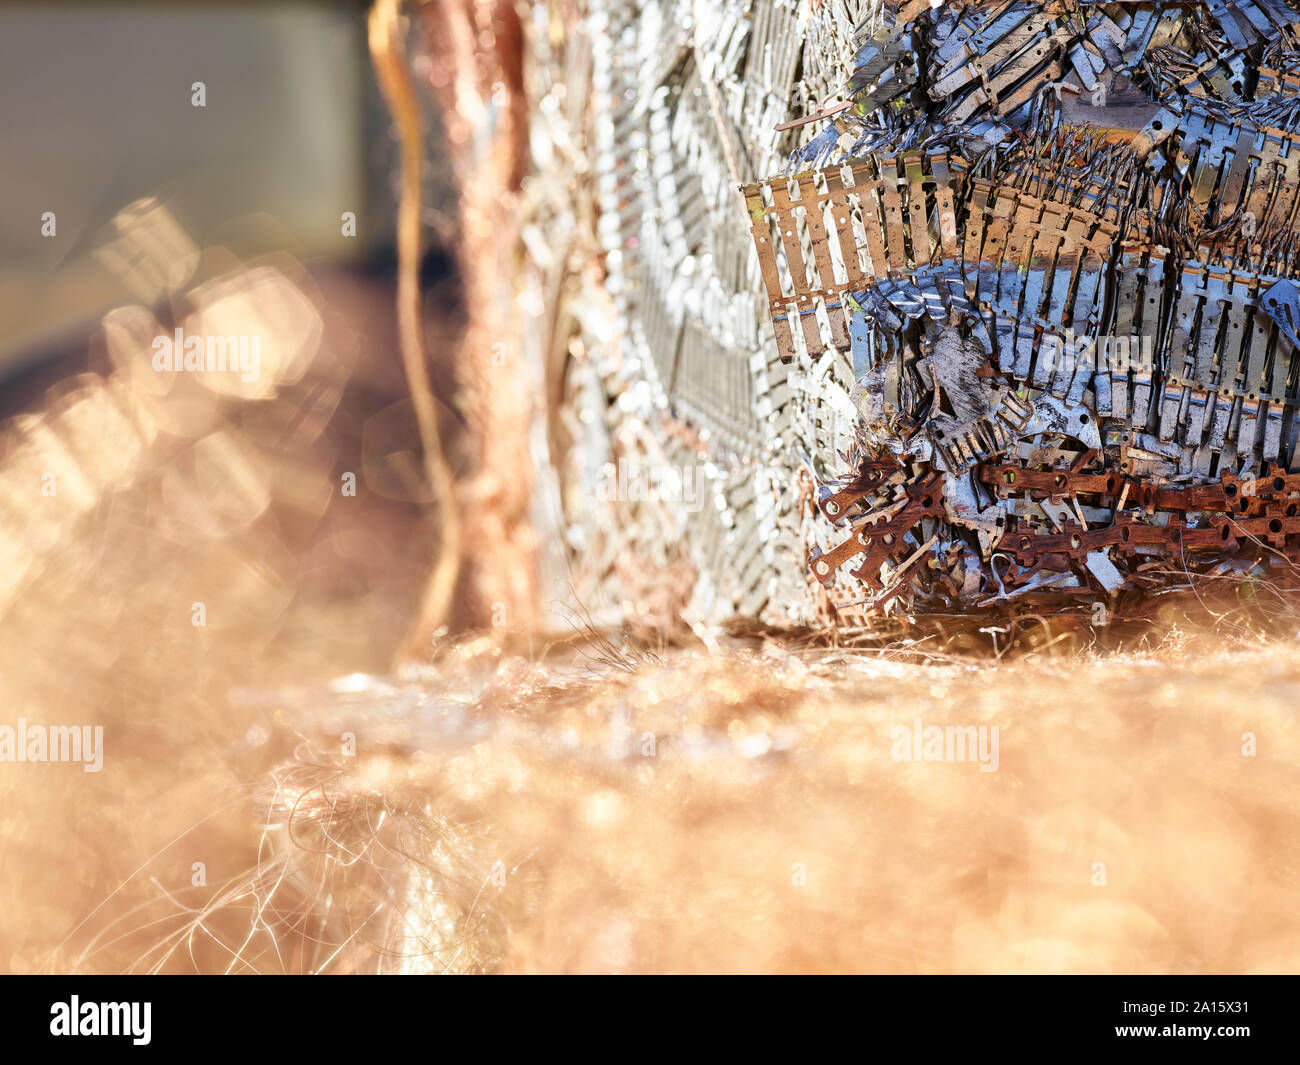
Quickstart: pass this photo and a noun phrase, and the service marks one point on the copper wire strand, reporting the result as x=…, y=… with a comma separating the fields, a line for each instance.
x=388, y=54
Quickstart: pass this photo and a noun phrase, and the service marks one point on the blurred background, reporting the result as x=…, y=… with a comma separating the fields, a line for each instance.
x=170, y=536
x=172, y=159
x=100, y=113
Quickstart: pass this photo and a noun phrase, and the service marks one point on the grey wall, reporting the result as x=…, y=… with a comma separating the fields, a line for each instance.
x=95, y=112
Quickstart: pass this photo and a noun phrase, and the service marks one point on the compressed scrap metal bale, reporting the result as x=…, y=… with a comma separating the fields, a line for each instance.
x=661, y=366
x=1060, y=241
